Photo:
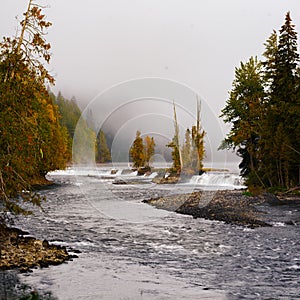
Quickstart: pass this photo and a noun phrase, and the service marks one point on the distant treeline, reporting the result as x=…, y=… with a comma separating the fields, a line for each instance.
x=36, y=127
x=70, y=118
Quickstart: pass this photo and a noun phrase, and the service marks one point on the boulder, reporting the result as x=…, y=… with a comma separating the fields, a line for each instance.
x=143, y=170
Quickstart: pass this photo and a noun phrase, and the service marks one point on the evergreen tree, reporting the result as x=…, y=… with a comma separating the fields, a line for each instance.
x=137, y=152
x=69, y=111
x=264, y=109
x=270, y=54
x=103, y=153
x=69, y=117
x=84, y=144
x=244, y=110
x=280, y=138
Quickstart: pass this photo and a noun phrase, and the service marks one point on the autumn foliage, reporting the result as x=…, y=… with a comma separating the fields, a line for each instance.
x=32, y=140
x=188, y=159
x=141, y=151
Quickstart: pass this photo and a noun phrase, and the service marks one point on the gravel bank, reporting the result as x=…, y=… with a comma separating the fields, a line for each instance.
x=232, y=207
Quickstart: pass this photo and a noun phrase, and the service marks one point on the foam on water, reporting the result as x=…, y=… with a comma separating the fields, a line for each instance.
x=130, y=250
x=151, y=176
x=218, y=179
x=87, y=171
x=208, y=179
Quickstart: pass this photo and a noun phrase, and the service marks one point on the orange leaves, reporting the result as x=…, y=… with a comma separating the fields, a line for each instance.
x=30, y=139
x=31, y=45
x=51, y=114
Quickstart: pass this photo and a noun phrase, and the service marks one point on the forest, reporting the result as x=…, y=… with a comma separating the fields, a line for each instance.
x=37, y=127
x=264, y=109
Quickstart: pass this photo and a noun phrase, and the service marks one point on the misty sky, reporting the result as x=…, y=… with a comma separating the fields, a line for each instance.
x=97, y=45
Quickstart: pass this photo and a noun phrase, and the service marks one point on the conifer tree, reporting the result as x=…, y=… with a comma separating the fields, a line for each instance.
x=244, y=110
x=280, y=138
x=84, y=144
x=271, y=49
x=264, y=109
x=103, y=153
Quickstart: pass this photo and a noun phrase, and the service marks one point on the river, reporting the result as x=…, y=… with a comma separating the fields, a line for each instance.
x=130, y=250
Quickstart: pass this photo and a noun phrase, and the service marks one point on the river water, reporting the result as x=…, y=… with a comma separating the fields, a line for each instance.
x=130, y=250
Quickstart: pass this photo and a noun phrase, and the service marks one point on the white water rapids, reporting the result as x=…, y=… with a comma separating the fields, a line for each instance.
x=130, y=250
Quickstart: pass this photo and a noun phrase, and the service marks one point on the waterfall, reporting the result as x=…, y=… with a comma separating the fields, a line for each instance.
x=218, y=179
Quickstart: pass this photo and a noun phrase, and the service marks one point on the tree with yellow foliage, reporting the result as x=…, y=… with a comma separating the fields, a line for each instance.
x=141, y=151
x=149, y=149
x=137, y=151
x=32, y=141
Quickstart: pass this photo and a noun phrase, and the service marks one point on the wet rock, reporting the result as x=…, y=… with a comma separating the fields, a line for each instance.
x=166, y=180
x=119, y=181
x=270, y=199
x=143, y=170
x=27, y=252
x=290, y=222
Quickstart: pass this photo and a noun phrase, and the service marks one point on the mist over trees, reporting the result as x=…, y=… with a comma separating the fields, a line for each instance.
x=36, y=127
x=102, y=151
x=264, y=110
x=86, y=139
x=39, y=130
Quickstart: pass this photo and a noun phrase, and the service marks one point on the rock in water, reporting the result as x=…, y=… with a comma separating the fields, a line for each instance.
x=23, y=253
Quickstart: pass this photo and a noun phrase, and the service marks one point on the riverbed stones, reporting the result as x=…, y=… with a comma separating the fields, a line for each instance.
x=166, y=180
x=229, y=206
x=25, y=252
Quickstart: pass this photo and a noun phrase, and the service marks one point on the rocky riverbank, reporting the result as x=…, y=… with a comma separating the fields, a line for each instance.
x=233, y=207
x=23, y=252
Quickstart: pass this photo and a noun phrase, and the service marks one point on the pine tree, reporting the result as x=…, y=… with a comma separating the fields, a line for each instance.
x=103, y=152
x=271, y=49
x=244, y=110
x=84, y=144
x=264, y=109
x=283, y=110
